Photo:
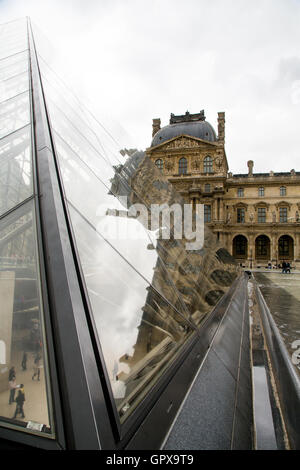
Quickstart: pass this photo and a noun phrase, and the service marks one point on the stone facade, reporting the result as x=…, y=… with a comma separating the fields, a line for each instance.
x=255, y=215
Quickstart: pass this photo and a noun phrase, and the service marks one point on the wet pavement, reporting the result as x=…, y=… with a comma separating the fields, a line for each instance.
x=282, y=295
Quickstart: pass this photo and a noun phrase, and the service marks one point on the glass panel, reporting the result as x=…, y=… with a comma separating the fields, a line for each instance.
x=15, y=169
x=13, y=65
x=14, y=114
x=139, y=331
x=140, y=328
x=67, y=111
x=102, y=209
x=13, y=46
x=23, y=366
x=13, y=37
x=14, y=86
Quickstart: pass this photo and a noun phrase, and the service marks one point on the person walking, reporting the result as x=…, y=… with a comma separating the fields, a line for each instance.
x=12, y=373
x=20, y=402
x=283, y=267
x=12, y=390
x=24, y=361
x=36, y=366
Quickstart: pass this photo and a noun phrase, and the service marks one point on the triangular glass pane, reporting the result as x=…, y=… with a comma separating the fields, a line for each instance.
x=23, y=366
x=15, y=169
x=140, y=333
x=13, y=65
x=14, y=114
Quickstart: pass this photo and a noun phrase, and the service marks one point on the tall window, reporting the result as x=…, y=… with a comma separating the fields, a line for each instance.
x=207, y=188
x=207, y=213
x=261, y=191
x=283, y=214
x=283, y=191
x=240, y=192
x=286, y=247
x=262, y=246
x=240, y=215
x=182, y=166
x=283, y=247
x=160, y=164
x=240, y=246
x=208, y=165
x=261, y=215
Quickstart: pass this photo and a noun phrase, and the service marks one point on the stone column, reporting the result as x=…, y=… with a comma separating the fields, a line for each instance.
x=251, y=251
x=222, y=211
x=215, y=210
x=221, y=127
x=273, y=248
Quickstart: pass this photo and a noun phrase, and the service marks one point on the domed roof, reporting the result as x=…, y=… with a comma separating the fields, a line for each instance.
x=186, y=126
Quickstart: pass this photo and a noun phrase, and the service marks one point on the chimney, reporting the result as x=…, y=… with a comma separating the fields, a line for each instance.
x=221, y=127
x=250, y=167
x=155, y=126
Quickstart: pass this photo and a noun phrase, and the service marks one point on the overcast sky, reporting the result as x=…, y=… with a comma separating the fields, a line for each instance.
x=136, y=60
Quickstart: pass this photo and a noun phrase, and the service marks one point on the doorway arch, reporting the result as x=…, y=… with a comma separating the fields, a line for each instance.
x=285, y=248
x=262, y=247
x=240, y=247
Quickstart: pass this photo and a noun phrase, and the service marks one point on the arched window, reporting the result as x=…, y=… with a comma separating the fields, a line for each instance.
x=208, y=164
x=262, y=247
x=283, y=191
x=182, y=166
x=240, y=246
x=286, y=247
x=160, y=164
x=261, y=191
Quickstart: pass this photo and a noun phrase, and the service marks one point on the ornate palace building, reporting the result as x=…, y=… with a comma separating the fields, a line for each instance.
x=255, y=215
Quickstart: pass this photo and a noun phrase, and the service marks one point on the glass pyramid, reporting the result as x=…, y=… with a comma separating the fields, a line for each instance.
x=96, y=310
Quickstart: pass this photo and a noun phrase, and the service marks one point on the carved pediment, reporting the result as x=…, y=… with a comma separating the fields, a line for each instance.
x=183, y=141
x=283, y=204
x=261, y=204
x=240, y=205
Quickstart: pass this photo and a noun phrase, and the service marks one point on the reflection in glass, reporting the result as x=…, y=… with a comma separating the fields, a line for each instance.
x=14, y=114
x=13, y=65
x=111, y=219
x=13, y=86
x=13, y=38
x=22, y=365
x=148, y=296
x=15, y=169
x=139, y=331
